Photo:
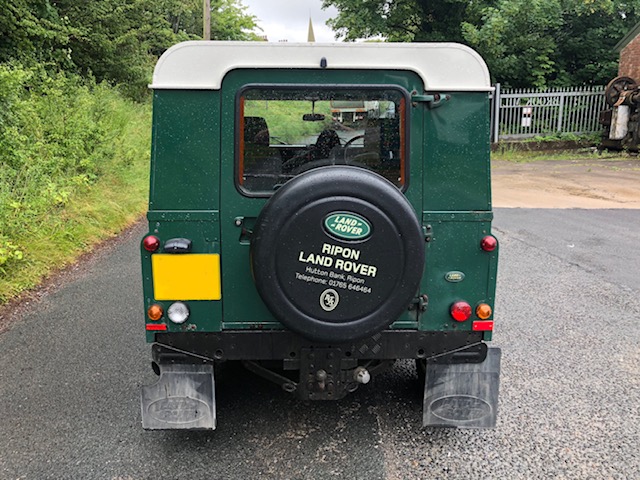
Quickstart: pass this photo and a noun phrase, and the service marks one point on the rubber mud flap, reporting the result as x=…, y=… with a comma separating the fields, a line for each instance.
x=183, y=398
x=462, y=395
x=337, y=254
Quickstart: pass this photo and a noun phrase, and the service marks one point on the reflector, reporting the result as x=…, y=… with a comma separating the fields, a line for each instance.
x=485, y=326
x=162, y=327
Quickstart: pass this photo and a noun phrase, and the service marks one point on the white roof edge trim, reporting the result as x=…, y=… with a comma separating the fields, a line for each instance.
x=202, y=65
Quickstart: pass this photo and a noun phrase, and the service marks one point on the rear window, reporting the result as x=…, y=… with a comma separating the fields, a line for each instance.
x=284, y=131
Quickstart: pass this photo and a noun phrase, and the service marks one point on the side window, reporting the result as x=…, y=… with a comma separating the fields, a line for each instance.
x=285, y=131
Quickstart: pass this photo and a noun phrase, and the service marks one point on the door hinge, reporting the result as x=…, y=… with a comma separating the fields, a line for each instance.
x=419, y=303
x=433, y=101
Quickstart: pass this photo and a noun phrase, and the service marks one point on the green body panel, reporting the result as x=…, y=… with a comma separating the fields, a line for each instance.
x=203, y=229
x=193, y=195
x=457, y=208
x=454, y=247
x=456, y=154
x=185, y=155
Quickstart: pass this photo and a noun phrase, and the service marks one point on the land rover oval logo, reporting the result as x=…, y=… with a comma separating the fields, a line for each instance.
x=454, y=277
x=348, y=226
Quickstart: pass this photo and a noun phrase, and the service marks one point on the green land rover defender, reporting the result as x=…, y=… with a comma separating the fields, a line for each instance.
x=317, y=212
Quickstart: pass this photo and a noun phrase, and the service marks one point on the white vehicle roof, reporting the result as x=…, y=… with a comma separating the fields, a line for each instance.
x=201, y=65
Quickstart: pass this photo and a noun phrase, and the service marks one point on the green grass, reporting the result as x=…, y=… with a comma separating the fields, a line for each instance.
x=517, y=155
x=73, y=171
x=581, y=138
x=284, y=118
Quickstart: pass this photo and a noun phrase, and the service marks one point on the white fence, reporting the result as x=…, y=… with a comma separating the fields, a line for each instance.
x=525, y=113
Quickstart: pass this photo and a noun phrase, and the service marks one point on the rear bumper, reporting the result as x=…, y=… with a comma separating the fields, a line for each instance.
x=436, y=347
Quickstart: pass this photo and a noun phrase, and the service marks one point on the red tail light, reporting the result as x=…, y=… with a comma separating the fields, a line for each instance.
x=489, y=243
x=461, y=311
x=151, y=243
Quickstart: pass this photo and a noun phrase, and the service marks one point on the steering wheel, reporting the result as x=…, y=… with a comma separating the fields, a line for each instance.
x=348, y=144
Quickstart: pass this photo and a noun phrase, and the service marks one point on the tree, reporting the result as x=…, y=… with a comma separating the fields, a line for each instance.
x=399, y=20
x=525, y=42
x=549, y=42
x=587, y=39
x=117, y=41
x=231, y=21
x=32, y=31
x=229, y=18
x=517, y=38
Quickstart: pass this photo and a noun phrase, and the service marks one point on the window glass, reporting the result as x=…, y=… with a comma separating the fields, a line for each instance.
x=286, y=131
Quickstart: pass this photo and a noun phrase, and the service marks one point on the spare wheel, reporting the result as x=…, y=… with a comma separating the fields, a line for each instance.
x=337, y=254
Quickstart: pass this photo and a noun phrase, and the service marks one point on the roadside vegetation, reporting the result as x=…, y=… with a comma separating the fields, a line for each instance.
x=74, y=170
x=75, y=120
x=516, y=154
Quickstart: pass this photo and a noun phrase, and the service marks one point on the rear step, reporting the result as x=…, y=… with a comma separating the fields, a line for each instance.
x=182, y=398
x=463, y=395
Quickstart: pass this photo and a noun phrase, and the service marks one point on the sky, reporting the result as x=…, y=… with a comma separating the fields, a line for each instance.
x=289, y=19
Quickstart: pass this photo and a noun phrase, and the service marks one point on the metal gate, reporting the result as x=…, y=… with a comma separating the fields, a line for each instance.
x=526, y=113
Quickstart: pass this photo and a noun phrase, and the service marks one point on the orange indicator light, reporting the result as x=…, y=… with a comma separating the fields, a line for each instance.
x=155, y=312
x=483, y=311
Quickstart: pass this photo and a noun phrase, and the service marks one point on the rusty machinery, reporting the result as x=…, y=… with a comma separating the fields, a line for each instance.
x=621, y=118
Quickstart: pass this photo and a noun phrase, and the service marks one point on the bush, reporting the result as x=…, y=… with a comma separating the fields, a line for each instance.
x=59, y=136
x=8, y=253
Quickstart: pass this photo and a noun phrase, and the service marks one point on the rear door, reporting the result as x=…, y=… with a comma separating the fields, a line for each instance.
x=279, y=123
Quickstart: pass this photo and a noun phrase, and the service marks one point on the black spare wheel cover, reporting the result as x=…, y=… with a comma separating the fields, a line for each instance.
x=337, y=254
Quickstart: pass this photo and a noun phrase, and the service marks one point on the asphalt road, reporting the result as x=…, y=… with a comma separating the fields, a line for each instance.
x=568, y=320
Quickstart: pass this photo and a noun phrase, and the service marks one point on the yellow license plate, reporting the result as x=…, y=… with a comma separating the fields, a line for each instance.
x=188, y=276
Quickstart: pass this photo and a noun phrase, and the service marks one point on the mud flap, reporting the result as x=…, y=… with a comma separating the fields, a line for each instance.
x=463, y=395
x=182, y=398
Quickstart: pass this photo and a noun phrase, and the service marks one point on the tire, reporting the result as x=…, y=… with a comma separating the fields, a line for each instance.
x=615, y=88
x=337, y=254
